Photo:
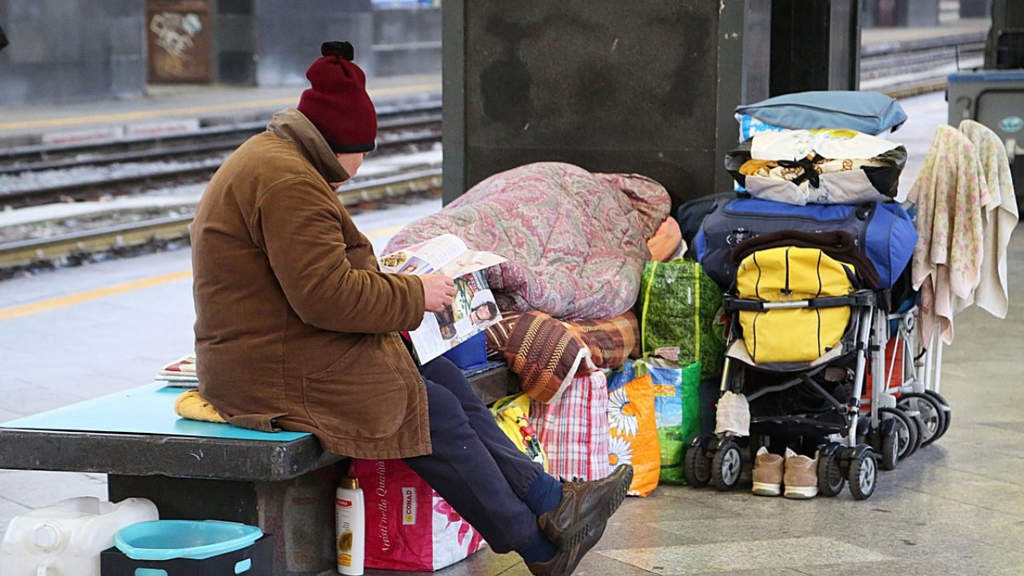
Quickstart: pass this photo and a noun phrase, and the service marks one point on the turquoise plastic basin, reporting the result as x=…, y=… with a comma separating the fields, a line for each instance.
x=194, y=539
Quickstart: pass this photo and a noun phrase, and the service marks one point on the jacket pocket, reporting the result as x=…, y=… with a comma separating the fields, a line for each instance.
x=359, y=396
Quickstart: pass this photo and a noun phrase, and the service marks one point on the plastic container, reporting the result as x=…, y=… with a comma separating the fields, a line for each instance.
x=68, y=537
x=193, y=539
x=469, y=354
x=350, y=523
x=254, y=560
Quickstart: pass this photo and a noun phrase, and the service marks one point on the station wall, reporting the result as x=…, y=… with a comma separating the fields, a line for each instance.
x=80, y=50
x=71, y=50
x=882, y=13
x=288, y=39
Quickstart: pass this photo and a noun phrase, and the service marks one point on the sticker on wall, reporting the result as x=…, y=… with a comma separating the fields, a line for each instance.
x=1012, y=124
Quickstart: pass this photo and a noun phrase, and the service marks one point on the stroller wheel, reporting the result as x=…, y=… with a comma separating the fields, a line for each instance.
x=890, y=448
x=905, y=428
x=945, y=408
x=696, y=465
x=726, y=465
x=932, y=415
x=863, y=473
x=830, y=473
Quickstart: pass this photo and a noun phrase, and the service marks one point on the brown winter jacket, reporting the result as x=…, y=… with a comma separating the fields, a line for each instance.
x=295, y=325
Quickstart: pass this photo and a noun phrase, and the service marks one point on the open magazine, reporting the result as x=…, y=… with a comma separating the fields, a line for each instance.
x=473, y=308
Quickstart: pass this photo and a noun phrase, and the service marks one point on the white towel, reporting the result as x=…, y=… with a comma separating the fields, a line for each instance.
x=949, y=251
x=999, y=219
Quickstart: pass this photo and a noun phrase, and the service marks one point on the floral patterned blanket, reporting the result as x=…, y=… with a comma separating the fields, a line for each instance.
x=950, y=249
x=576, y=241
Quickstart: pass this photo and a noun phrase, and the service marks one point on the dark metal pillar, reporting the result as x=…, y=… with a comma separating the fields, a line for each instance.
x=975, y=8
x=814, y=46
x=1005, y=46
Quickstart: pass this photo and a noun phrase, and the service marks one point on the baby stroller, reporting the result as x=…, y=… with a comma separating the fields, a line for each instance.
x=801, y=328
x=911, y=375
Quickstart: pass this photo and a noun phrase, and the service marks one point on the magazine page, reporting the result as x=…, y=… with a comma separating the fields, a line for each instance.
x=425, y=257
x=472, y=310
x=473, y=307
x=470, y=261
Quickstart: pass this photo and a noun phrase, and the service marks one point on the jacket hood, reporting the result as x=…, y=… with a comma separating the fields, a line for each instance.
x=293, y=125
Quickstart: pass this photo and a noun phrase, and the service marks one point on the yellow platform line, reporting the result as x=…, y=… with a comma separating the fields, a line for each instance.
x=191, y=110
x=72, y=299
x=133, y=286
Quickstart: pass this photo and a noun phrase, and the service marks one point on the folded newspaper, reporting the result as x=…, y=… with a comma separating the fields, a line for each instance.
x=181, y=372
x=472, y=309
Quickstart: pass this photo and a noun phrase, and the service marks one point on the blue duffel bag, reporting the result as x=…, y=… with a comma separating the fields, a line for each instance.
x=883, y=230
x=868, y=112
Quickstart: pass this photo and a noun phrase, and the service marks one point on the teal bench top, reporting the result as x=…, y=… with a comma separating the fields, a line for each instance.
x=147, y=409
x=137, y=433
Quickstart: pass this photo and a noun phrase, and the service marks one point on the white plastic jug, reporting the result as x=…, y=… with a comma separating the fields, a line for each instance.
x=66, y=539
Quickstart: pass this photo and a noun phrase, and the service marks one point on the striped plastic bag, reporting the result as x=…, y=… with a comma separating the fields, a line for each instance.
x=574, y=429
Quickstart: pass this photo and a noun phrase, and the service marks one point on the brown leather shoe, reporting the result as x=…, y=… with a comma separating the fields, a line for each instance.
x=566, y=559
x=585, y=507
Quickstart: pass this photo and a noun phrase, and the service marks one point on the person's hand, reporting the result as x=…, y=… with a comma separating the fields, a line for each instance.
x=438, y=291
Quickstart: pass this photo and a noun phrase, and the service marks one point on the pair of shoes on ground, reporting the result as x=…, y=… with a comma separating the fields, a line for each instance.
x=578, y=522
x=800, y=477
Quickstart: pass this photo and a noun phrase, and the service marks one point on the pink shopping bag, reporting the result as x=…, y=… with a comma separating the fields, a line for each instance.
x=408, y=525
x=574, y=429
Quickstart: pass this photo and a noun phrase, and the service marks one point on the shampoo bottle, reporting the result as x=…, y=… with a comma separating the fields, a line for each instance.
x=350, y=521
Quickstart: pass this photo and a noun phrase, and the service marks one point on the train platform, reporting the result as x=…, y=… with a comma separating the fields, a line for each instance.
x=954, y=507
x=176, y=108
x=963, y=28
x=180, y=107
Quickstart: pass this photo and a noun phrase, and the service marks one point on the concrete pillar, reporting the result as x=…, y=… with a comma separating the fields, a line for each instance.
x=975, y=8
x=611, y=86
x=868, y=13
x=234, y=44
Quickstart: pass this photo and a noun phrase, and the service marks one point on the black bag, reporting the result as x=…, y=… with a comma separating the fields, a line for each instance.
x=691, y=215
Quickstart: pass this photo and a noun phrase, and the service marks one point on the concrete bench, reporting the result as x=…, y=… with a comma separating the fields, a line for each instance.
x=283, y=482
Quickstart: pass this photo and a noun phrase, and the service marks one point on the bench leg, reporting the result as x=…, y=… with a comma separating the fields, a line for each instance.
x=299, y=513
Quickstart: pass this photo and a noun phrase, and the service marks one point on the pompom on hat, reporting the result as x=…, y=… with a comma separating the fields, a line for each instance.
x=337, y=102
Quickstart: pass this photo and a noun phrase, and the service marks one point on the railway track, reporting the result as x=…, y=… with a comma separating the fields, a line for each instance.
x=41, y=175
x=910, y=67
x=127, y=238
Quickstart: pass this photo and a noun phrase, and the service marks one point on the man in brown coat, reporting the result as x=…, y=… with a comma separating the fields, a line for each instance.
x=297, y=328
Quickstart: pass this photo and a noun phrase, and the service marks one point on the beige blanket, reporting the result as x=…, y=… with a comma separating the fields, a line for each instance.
x=949, y=251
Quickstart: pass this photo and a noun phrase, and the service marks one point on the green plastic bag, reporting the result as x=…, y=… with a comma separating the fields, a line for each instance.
x=676, y=412
x=680, y=310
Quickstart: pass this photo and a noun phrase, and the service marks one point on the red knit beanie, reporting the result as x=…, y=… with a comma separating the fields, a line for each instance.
x=337, y=103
